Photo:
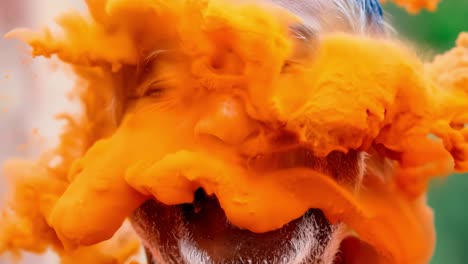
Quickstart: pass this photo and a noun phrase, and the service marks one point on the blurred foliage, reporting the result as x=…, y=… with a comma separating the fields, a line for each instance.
x=438, y=30
x=434, y=33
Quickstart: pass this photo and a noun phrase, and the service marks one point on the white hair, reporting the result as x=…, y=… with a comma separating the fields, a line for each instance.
x=356, y=16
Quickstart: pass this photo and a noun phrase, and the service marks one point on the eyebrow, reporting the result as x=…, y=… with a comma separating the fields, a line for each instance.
x=147, y=64
x=152, y=56
x=302, y=31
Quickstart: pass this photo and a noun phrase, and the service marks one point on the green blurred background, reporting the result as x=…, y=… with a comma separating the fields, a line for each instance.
x=434, y=33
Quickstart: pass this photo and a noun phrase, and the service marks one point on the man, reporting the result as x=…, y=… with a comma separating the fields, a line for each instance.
x=251, y=132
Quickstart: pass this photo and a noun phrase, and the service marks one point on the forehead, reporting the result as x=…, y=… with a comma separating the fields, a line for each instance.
x=316, y=17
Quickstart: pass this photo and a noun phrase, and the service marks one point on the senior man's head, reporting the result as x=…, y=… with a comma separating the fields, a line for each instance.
x=243, y=132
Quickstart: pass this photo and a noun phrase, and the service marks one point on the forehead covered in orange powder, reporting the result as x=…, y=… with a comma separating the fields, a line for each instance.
x=352, y=93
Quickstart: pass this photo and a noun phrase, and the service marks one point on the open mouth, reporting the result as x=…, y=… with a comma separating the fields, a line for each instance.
x=199, y=232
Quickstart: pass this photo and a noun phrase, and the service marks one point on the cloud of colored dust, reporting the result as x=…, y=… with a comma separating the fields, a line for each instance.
x=351, y=93
x=415, y=6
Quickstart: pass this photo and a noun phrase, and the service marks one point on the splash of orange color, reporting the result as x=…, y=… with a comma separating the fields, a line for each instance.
x=354, y=93
x=414, y=6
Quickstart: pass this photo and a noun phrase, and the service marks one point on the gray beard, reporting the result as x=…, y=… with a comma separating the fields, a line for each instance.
x=309, y=244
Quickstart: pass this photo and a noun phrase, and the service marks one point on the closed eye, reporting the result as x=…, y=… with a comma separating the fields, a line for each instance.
x=155, y=89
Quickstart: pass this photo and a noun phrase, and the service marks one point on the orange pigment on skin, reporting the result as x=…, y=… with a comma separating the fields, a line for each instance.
x=353, y=93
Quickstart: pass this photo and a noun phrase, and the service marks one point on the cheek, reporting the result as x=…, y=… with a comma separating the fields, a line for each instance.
x=291, y=93
x=156, y=133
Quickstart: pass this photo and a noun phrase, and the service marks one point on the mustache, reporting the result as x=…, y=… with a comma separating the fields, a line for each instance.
x=343, y=167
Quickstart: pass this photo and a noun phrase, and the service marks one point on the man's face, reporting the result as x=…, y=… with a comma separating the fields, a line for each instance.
x=215, y=146
x=169, y=116
x=258, y=132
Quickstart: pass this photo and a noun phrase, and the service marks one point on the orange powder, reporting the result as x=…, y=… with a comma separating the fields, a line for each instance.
x=414, y=6
x=354, y=93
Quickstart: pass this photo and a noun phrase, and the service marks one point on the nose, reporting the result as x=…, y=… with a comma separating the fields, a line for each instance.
x=226, y=120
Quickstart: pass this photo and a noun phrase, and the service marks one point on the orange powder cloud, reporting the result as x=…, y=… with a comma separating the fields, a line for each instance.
x=353, y=93
x=414, y=6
